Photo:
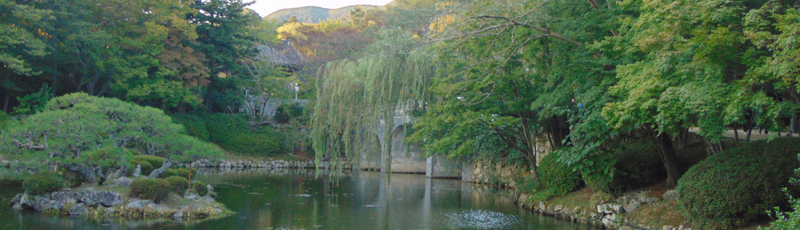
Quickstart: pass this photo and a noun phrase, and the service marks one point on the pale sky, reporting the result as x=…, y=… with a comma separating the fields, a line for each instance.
x=265, y=7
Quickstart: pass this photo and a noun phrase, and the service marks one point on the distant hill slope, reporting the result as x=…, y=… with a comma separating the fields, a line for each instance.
x=314, y=14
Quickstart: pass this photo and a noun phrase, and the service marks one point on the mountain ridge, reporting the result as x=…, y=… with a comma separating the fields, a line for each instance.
x=315, y=14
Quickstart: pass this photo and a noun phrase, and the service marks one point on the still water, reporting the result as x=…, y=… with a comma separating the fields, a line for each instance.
x=300, y=199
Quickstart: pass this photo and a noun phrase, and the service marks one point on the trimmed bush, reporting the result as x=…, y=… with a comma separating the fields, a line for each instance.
x=233, y=133
x=637, y=165
x=43, y=182
x=178, y=184
x=737, y=186
x=154, y=161
x=185, y=173
x=147, y=168
x=558, y=178
x=193, y=124
x=200, y=188
x=169, y=173
x=151, y=189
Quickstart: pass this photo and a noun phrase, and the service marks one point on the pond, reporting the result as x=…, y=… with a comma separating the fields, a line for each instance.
x=306, y=199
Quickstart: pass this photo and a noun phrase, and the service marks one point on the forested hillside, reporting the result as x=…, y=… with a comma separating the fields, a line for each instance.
x=314, y=14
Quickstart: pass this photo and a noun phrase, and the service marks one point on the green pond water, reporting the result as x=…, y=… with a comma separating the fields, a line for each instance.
x=299, y=199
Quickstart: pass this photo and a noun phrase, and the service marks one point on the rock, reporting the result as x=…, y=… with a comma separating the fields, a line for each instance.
x=670, y=194
x=16, y=199
x=104, y=198
x=17, y=207
x=117, y=174
x=666, y=227
x=39, y=203
x=178, y=215
x=109, y=210
x=78, y=210
x=211, y=192
x=138, y=171
x=542, y=207
x=123, y=181
x=67, y=197
x=558, y=208
x=207, y=199
x=138, y=203
x=625, y=228
x=157, y=207
x=5, y=163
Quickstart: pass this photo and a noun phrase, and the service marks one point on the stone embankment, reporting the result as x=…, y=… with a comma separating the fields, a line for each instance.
x=265, y=164
x=608, y=215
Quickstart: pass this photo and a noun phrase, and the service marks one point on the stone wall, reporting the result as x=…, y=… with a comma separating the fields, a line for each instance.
x=497, y=173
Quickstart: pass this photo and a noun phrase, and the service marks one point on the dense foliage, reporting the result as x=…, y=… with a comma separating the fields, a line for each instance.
x=89, y=135
x=194, y=125
x=233, y=133
x=43, y=182
x=738, y=185
x=178, y=184
x=200, y=188
x=635, y=165
x=150, y=189
x=559, y=178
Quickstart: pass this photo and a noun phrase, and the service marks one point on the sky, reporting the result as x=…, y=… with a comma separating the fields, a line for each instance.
x=265, y=7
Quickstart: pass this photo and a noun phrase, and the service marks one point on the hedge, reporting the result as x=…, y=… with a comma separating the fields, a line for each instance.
x=736, y=186
x=194, y=125
x=233, y=133
x=155, y=161
x=151, y=189
x=200, y=188
x=178, y=184
x=43, y=182
x=559, y=178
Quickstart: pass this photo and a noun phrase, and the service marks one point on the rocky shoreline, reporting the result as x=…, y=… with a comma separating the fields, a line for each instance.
x=106, y=202
x=607, y=215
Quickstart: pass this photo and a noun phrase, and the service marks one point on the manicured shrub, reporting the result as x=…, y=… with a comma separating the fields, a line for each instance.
x=178, y=184
x=195, y=126
x=147, y=168
x=169, y=173
x=151, y=189
x=200, y=188
x=558, y=177
x=233, y=133
x=739, y=185
x=637, y=164
x=43, y=182
x=185, y=173
x=154, y=161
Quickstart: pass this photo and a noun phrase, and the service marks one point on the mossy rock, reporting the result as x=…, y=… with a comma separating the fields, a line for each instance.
x=151, y=189
x=43, y=182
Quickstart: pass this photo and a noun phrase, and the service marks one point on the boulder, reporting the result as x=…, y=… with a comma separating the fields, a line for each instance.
x=157, y=207
x=78, y=210
x=104, y=198
x=123, y=181
x=109, y=210
x=138, y=171
x=39, y=203
x=670, y=194
x=66, y=197
x=138, y=203
x=178, y=215
x=16, y=199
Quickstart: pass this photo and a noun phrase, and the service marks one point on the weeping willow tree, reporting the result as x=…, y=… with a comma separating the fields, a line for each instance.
x=355, y=96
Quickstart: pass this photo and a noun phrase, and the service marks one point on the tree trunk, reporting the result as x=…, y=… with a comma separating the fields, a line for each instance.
x=159, y=171
x=736, y=134
x=5, y=104
x=670, y=159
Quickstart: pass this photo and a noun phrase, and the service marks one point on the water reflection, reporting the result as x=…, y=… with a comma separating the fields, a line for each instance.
x=305, y=199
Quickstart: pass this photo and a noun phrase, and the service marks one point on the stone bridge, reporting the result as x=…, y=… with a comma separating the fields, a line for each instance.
x=399, y=157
